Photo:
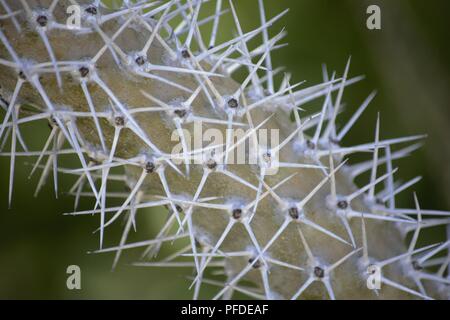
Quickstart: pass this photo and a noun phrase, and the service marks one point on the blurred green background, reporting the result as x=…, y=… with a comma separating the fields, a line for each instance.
x=407, y=61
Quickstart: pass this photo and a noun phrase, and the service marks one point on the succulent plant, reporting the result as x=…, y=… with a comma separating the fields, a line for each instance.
x=141, y=96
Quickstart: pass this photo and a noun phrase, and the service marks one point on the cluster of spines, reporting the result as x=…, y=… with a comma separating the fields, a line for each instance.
x=254, y=92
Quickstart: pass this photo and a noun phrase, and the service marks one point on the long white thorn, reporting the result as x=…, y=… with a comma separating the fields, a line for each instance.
x=12, y=104
x=373, y=176
x=94, y=114
x=356, y=116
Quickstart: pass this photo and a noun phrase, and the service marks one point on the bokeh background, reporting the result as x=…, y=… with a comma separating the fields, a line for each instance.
x=407, y=61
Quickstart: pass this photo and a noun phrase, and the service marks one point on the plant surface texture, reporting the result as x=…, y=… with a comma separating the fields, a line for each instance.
x=141, y=97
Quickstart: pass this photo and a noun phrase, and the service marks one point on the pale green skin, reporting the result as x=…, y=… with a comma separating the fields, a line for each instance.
x=348, y=280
